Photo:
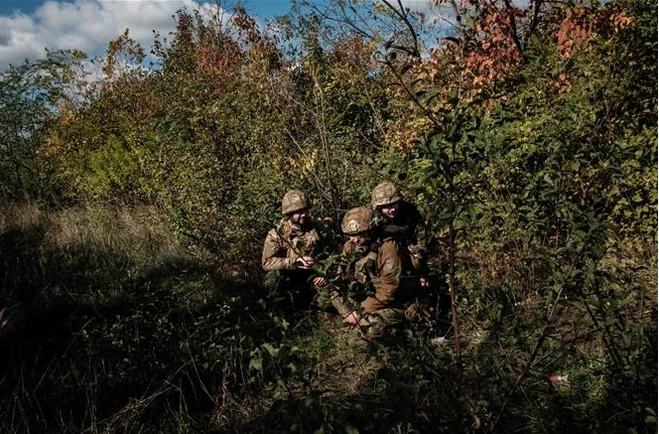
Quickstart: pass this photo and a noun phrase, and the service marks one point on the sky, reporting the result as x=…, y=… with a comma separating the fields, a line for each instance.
x=27, y=27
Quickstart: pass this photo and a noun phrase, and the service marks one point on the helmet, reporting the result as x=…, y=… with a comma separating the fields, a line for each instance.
x=384, y=193
x=293, y=201
x=356, y=220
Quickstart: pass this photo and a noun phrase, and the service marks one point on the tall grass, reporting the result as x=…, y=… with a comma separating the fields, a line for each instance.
x=112, y=321
x=119, y=328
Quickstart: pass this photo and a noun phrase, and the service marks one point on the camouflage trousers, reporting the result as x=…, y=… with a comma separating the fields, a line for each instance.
x=343, y=305
x=371, y=325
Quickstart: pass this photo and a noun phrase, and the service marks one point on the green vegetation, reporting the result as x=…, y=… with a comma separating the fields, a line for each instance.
x=135, y=208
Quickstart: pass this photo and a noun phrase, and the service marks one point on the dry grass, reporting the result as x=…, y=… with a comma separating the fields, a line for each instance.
x=172, y=341
x=94, y=226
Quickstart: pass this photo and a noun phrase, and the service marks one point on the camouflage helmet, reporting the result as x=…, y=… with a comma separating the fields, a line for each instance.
x=356, y=220
x=384, y=193
x=293, y=201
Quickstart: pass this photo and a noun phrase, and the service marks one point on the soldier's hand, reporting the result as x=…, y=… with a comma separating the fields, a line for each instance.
x=319, y=281
x=352, y=318
x=304, y=262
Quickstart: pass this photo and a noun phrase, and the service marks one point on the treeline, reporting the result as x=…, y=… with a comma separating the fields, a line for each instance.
x=527, y=136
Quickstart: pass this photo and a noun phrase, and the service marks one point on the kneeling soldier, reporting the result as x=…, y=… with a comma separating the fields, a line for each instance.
x=355, y=254
x=288, y=251
x=390, y=278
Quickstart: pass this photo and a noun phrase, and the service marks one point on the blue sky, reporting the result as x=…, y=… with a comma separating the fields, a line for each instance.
x=27, y=27
x=264, y=8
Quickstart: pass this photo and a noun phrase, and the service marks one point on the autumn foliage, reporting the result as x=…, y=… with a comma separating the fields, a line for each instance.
x=526, y=134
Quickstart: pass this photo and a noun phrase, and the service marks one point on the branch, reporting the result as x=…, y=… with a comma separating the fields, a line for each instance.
x=534, y=21
x=322, y=131
x=544, y=334
x=345, y=20
x=513, y=29
x=402, y=14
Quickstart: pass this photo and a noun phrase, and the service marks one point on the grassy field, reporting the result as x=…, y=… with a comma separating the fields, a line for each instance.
x=120, y=328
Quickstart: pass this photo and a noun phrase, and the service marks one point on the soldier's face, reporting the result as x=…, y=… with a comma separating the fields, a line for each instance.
x=300, y=217
x=390, y=210
x=359, y=240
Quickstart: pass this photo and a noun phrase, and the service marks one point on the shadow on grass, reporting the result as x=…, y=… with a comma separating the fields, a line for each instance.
x=98, y=341
x=107, y=342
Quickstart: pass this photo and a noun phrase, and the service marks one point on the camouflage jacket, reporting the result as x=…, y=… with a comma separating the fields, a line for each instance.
x=408, y=227
x=286, y=243
x=393, y=283
x=357, y=263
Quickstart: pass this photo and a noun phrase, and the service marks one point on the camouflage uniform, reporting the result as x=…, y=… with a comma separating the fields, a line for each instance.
x=394, y=287
x=285, y=244
x=356, y=221
x=407, y=227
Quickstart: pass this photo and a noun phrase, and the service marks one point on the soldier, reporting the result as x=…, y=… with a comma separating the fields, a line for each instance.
x=391, y=278
x=355, y=253
x=288, y=251
x=396, y=217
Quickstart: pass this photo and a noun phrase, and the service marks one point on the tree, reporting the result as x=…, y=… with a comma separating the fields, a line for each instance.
x=30, y=97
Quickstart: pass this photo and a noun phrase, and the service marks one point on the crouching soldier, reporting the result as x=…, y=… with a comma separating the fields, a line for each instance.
x=391, y=278
x=289, y=249
x=355, y=254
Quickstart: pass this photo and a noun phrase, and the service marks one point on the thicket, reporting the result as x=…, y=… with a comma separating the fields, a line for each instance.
x=527, y=136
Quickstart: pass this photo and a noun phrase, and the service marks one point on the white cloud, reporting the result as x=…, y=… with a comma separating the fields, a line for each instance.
x=444, y=14
x=87, y=25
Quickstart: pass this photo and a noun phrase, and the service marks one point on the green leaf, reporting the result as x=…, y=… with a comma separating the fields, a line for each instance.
x=548, y=179
x=270, y=349
x=256, y=363
x=452, y=97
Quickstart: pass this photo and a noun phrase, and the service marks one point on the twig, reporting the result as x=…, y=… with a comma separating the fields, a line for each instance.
x=529, y=362
x=59, y=360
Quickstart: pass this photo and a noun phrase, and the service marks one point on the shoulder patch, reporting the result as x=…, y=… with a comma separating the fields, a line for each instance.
x=388, y=266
